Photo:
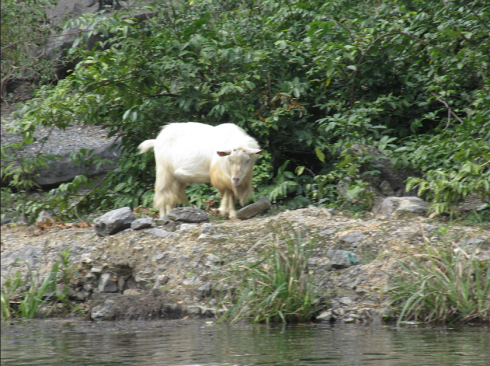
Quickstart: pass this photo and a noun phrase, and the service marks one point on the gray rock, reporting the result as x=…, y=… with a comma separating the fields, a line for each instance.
x=103, y=311
x=192, y=310
x=352, y=238
x=193, y=281
x=158, y=256
x=162, y=280
x=161, y=233
x=386, y=189
x=206, y=228
x=390, y=181
x=212, y=259
x=207, y=312
x=345, y=300
x=327, y=232
x=400, y=207
x=253, y=209
x=120, y=283
x=131, y=292
x=205, y=290
x=473, y=241
x=325, y=315
x=341, y=258
x=162, y=221
x=188, y=214
x=72, y=8
x=166, y=223
x=44, y=216
x=7, y=219
x=114, y=221
x=31, y=256
x=86, y=258
x=142, y=223
x=187, y=228
x=64, y=169
x=106, y=283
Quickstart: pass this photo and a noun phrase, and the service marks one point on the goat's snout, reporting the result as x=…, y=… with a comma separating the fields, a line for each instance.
x=236, y=180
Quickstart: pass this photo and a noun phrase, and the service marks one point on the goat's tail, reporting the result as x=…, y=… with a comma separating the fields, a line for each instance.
x=146, y=146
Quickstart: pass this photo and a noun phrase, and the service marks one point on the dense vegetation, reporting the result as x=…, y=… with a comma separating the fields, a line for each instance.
x=20, y=20
x=307, y=78
x=446, y=280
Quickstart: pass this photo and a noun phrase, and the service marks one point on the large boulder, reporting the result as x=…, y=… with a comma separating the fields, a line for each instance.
x=64, y=169
x=401, y=207
x=62, y=143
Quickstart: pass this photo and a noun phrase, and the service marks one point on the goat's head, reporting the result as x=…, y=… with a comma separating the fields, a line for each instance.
x=241, y=161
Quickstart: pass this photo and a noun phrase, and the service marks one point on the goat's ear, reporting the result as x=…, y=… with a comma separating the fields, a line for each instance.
x=224, y=153
x=254, y=151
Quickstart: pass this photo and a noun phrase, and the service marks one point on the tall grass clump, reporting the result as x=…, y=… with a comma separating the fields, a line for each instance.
x=444, y=282
x=274, y=286
x=23, y=296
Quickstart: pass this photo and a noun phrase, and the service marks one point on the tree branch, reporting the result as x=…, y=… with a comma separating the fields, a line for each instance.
x=449, y=111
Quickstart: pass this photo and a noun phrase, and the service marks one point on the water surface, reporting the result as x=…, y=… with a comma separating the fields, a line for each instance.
x=55, y=342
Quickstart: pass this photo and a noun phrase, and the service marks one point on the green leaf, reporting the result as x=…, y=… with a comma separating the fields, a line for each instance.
x=320, y=155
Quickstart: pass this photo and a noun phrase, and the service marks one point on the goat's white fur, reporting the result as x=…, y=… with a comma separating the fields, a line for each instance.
x=191, y=152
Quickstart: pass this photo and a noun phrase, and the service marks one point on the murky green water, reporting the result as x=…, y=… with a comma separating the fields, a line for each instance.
x=54, y=342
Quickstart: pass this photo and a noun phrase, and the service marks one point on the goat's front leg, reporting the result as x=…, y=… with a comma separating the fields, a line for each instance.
x=231, y=205
x=223, y=208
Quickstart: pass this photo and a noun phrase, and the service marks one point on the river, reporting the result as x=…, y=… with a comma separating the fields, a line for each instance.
x=203, y=342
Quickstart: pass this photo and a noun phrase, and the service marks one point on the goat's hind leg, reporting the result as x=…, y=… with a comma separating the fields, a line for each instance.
x=168, y=192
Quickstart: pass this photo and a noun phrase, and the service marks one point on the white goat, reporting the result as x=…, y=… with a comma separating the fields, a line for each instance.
x=188, y=153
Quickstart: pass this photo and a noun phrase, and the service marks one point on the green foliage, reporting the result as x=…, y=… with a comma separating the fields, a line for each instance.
x=24, y=27
x=308, y=79
x=458, y=164
x=19, y=170
x=34, y=292
x=202, y=195
x=276, y=286
x=445, y=281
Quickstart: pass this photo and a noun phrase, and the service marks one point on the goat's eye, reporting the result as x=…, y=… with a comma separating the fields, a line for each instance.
x=247, y=161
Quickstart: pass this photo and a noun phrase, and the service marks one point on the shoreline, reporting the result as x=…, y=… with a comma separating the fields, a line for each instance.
x=154, y=273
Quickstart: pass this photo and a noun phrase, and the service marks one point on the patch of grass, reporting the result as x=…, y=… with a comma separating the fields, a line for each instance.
x=275, y=286
x=353, y=210
x=477, y=217
x=444, y=282
x=33, y=293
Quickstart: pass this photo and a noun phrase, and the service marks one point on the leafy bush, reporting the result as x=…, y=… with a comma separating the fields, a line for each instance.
x=307, y=79
x=444, y=282
x=276, y=286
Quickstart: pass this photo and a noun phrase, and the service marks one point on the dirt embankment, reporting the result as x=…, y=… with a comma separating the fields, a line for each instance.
x=142, y=274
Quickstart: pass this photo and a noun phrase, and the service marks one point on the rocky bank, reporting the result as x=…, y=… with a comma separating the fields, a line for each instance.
x=170, y=269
